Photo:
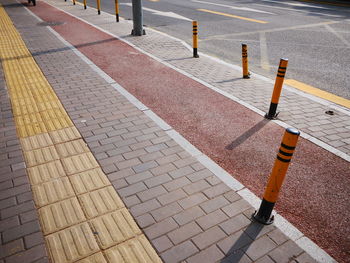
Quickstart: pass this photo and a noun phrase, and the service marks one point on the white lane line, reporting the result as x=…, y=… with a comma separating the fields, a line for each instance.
x=234, y=7
x=161, y=13
x=330, y=29
x=264, y=57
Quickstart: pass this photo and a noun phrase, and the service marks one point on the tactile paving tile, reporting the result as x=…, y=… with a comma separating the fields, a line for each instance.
x=35, y=142
x=60, y=215
x=114, y=228
x=57, y=124
x=40, y=156
x=89, y=181
x=65, y=135
x=47, y=105
x=100, y=202
x=24, y=109
x=71, y=148
x=79, y=163
x=96, y=258
x=136, y=250
x=72, y=244
x=45, y=172
x=29, y=125
x=52, y=191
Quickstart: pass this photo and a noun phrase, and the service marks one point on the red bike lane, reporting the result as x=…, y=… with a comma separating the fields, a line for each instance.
x=316, y=194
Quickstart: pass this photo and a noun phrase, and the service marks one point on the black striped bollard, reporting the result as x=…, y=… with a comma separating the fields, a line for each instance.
x=195, y=39
x=277, y=176
x=246, y=74
x=277, y=89
x=117, y=10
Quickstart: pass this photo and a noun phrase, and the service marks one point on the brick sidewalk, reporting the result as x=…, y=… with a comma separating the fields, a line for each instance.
x=184, y=209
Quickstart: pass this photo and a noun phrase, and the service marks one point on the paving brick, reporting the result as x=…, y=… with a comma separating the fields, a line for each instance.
x=14, y=191
x=120, y=183
x=128, y=163
x=216, y=190
x=25, y=197
x=259, y=247
x=17, y=209
x=132, y=189
x=177, y=183
x=256, y=230
x=6, y=184
x=237, y=256
x=7, y=202
x=9, y=223
x=196, y=187
x=30, y=255
x=184, y=162
x=166, y=211
x=234, y=242
x=214, y=204
x=138, y=177
x=194, y=177
x=211, y=219
x=156, y=147
x=192, y=200
x=234, y=224
x=304, y=258
x=185, y=232
x=34, y=239
x=232, y=196
x=120, y=174
x=179, y=252
x=167, y=159
x=20, y=231
x=157, y=180
x=20, y=180
x=209, y=237
x=265, y=259
x=151, y=156
x=236, y=208
x=286, y=252
x=28, y=216
x=131, y=200
x=160, y=228
x=145, y=220
x=145, y=207
x=134, y=154
x=11, y=248
x=144, y=166
x=210, y=254
x=162, y=243
x=172, y=197
x=151, y=193
x=181, y=172
x=188, y=215
x=277, y=236
x=163, y=169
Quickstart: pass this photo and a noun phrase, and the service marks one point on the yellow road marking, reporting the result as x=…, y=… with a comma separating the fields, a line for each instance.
x=234, y=16
x=317, y=92
x=70, y=190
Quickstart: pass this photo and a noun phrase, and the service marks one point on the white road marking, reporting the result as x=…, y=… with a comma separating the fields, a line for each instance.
x=347, y=43
x=162, y=13
x=234, y=7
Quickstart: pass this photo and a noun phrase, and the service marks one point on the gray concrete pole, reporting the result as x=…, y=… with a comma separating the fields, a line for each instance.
x=137, y=18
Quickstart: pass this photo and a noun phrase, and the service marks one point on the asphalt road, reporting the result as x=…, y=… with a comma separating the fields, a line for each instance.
x=314, y=37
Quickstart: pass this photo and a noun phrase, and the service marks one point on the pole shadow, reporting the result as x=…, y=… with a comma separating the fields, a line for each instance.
x=242, y=244
x=241, y=139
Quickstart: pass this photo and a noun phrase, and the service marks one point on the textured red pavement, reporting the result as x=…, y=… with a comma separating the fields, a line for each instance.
x=316, y=194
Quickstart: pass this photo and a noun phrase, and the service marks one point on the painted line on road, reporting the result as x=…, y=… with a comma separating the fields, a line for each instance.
x=283, y=224
x=234, y=16
x=317, y=92
x=342, y=39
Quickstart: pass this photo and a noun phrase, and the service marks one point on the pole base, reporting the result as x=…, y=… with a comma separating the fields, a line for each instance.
x=262, y=220
x=133, y=33
x=271, y=117
x=98, y=12
x=117, y=17
x=84, y=6
x=246, y=77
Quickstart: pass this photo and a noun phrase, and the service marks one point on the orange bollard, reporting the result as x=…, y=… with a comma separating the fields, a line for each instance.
x=195, y=39
x=277, y=176
x=277, y=89
x=84, y=4
x=98, y=7
x=246, y=74
x=117, y=10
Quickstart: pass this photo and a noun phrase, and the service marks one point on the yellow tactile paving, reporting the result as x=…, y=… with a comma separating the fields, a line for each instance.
x=40, y=156
x=45, y=172
x=96, y=258
x=114, y=228
x=100, y=202
x=136, y=250
x=65, y=135
x=79, y=163
x=80, y=213
x=89, y=181
x=71, y=148
x=60, y=215
x=72, y=244
x=36, y=142
x=52, y=191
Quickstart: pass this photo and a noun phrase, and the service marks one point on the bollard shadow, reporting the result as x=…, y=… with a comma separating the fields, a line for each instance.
x=175, y=59
x=13, y=5
x=229, y=80
x=55, y=50
x=247, y=134
x=238, y=249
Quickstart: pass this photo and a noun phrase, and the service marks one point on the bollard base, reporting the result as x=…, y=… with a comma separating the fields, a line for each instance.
x=84, y=6
x=262, y=220
x=133, y=33
x=117, y=17
x=246, y=76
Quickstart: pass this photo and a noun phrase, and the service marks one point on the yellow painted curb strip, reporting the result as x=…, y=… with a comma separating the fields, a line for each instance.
x=317, y=92
x=234, y=16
